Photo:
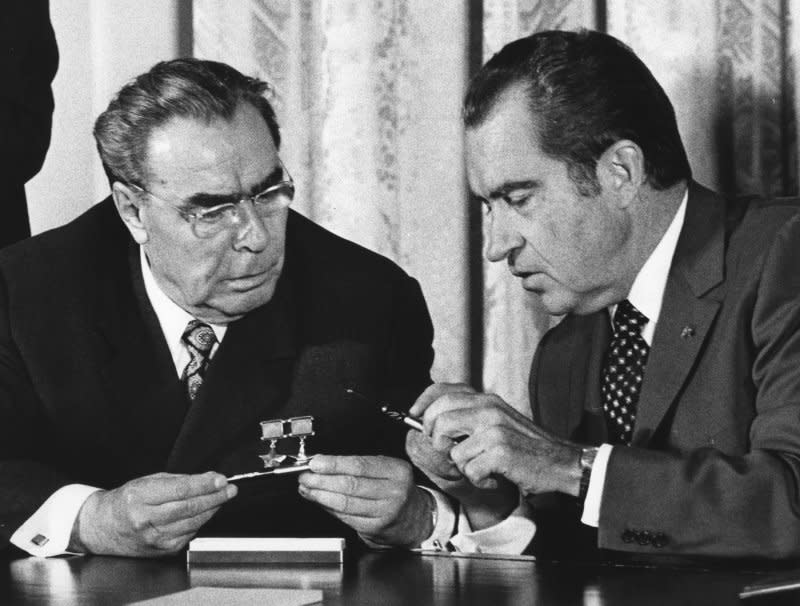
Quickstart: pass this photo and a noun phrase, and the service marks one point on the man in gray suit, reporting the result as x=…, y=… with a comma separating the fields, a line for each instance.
x=666, y=403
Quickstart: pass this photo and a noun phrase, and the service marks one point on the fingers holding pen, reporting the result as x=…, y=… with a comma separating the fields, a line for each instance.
x=435, y=392
x=456, y=415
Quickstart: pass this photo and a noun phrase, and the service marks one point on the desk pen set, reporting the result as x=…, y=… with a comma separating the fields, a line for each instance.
x=301, y=428
x=274, y=430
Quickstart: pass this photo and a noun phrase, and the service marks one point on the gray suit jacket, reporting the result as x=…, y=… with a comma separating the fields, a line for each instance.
x=714, y=464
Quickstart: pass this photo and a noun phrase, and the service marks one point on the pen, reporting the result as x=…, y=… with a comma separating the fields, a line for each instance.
x=401, y=417
x=414, y=423
x=277, y=471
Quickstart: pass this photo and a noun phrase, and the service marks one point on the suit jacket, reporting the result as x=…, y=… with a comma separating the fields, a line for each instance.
x=714, y=464
x=89, y=392
x=28, y=62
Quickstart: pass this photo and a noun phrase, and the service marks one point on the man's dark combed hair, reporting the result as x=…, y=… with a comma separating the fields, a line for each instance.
x=181, y=88
x=587, y=90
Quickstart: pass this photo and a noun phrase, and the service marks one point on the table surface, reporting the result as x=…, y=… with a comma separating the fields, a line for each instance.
x=384, y=578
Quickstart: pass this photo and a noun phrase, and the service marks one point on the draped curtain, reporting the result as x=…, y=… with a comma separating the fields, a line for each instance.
x=368, y=94
x=368, y=97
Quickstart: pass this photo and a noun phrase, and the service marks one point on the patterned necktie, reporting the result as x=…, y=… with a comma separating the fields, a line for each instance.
x=623, y=371
x=199, y=338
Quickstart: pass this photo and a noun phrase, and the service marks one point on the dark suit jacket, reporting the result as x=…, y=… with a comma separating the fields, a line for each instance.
x=28, y=62
x=89, y=392
x=714, y=464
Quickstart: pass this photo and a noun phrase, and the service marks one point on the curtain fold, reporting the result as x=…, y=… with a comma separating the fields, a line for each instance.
x=368, y=95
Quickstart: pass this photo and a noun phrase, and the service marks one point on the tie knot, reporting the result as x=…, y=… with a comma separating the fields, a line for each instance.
x=200, y=336
x=628, y=319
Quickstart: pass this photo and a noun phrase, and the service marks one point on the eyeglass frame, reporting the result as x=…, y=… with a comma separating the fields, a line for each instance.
x=192, y=216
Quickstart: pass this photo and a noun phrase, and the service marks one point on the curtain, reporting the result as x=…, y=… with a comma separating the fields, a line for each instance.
x=368, y=94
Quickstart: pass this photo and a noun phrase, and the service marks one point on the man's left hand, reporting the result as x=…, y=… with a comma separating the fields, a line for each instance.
x=375, y=495
x=501, y=442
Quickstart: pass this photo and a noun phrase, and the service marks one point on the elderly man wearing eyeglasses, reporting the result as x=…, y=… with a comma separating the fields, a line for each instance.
x=142, y=344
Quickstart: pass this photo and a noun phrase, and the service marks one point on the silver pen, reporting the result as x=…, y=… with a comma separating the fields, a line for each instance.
x=277, y=471
x=400, y=417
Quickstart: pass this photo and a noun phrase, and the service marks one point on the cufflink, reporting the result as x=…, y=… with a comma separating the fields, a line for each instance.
x=40, y=540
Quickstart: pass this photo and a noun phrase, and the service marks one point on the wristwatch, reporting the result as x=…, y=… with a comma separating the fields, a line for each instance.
x=588, y=455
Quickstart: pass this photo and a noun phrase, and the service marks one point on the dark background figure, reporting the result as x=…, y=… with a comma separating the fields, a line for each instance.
x=28, y=63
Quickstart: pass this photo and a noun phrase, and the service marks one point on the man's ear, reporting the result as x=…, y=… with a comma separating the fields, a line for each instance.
x=127, y=201
x=621, y=170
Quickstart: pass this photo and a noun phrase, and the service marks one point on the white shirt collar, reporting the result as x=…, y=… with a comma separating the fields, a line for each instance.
x=647, y=292
x=172, y=318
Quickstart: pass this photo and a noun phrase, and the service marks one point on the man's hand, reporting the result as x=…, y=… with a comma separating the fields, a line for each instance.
x=374, y=495
x=501, y=442
x=150, y=516
x=483, y=506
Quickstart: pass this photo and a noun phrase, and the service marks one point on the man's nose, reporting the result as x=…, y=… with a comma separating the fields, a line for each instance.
x=501, y=236
x=251, y=233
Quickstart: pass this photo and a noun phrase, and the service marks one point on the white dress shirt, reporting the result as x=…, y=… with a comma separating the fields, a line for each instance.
x=173, y=319
x=646, y=295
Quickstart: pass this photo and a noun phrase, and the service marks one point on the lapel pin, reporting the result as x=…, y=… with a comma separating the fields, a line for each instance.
x=687, y=332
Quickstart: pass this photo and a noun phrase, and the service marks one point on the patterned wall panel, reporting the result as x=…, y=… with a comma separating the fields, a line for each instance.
x=677, y=40
x=368, y=96
x=368, y=93
x=724, y=65
x=756, y=84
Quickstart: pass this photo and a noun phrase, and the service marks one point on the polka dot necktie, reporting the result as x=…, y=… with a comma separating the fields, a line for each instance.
x=199, y=339
x=623, y=371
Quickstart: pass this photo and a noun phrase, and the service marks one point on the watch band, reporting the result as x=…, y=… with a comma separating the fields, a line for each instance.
x=588, y=455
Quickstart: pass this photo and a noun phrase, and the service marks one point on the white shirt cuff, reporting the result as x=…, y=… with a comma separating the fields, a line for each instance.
x=511, y=536
x=594, y=494
x=46, y=533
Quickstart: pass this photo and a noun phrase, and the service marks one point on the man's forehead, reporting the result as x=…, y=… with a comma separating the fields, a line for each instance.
x=503, y=148
x=222, y=154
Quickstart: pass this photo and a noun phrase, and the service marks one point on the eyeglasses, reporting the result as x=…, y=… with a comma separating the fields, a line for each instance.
x=207, y=222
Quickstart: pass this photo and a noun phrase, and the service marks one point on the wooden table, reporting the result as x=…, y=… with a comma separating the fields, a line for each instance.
x=383, y=578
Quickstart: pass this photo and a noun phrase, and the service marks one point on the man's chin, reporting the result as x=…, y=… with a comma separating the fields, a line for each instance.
x=234, y=305
x=553, y=303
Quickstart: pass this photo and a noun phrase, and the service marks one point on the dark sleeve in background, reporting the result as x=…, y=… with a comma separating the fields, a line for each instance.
x=28, y=63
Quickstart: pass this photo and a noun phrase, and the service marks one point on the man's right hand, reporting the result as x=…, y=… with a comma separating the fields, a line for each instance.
x=151, y=516
x=483, y=507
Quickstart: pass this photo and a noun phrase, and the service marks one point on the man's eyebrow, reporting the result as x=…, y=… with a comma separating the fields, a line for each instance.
x=513, y=186
x=207, y=200
x=276, y=176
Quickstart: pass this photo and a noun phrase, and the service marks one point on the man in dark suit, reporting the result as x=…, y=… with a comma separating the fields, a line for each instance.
x=28, y=63
x=666, y=403
x=142, y=344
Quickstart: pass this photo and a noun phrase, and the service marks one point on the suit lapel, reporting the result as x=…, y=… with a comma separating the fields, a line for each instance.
x=248, y=377
x=140, y=385
x=688, y=309
x=565, y=385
